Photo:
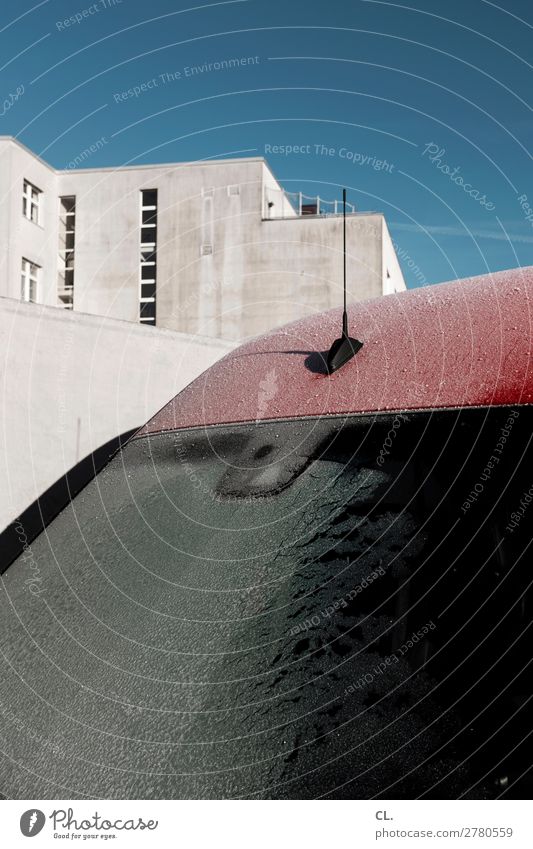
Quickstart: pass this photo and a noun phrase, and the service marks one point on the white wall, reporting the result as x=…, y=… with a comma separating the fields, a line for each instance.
x=71, y=382
x=273, y=193
x=393, y=281
x=308, y=253
x=20, y=237
x=260, y=274
x=108, y=238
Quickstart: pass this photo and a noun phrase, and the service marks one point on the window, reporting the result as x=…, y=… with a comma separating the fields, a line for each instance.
x=149, y=216
x=342, y=623
x=148, y=258
x=67, y=236
x=29, y=289
x=149, y=198
x=31, y=199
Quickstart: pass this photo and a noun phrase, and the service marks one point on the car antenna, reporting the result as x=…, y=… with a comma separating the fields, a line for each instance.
x=346, y=347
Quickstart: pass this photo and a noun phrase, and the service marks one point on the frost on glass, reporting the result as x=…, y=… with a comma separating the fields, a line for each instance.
x=282, y=610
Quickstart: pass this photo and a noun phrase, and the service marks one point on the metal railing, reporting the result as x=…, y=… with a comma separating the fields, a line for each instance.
x=278, y=202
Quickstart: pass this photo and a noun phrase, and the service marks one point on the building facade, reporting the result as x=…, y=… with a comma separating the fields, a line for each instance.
x=213, y=248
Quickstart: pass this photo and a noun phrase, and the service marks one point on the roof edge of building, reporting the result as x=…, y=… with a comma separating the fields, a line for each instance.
x=18, y=143
x=55, y=312
x=148, y=165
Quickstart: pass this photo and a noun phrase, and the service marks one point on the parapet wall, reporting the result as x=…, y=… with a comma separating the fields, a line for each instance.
x=71, y=382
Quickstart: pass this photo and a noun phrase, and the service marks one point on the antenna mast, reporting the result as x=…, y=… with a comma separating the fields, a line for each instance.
x=345, y=348
x=345, y=313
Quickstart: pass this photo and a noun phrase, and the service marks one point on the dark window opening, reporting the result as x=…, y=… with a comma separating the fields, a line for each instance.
x=148, y=263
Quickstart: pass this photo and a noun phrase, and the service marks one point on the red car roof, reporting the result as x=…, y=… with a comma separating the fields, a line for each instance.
x=466, y=343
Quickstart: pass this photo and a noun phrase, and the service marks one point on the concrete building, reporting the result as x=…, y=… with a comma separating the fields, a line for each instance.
x=215, y=248
x=73, y=382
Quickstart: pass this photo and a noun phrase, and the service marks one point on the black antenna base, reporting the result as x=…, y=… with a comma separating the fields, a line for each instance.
x=341, y=352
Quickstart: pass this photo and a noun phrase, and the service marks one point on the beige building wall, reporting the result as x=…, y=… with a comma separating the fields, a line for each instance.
x=234, y=259
x=22, y=238
x=71, y=382
x=393, y=278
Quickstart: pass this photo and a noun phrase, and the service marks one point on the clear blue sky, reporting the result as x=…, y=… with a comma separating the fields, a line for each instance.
x=378, y=81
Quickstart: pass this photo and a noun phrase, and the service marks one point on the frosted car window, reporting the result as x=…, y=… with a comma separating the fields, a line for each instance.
x=285, y=609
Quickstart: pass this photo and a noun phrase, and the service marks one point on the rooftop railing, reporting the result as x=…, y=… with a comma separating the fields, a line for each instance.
x=281, y=204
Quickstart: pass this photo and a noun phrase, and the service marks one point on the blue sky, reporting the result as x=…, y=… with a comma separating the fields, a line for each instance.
x=421, y=110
